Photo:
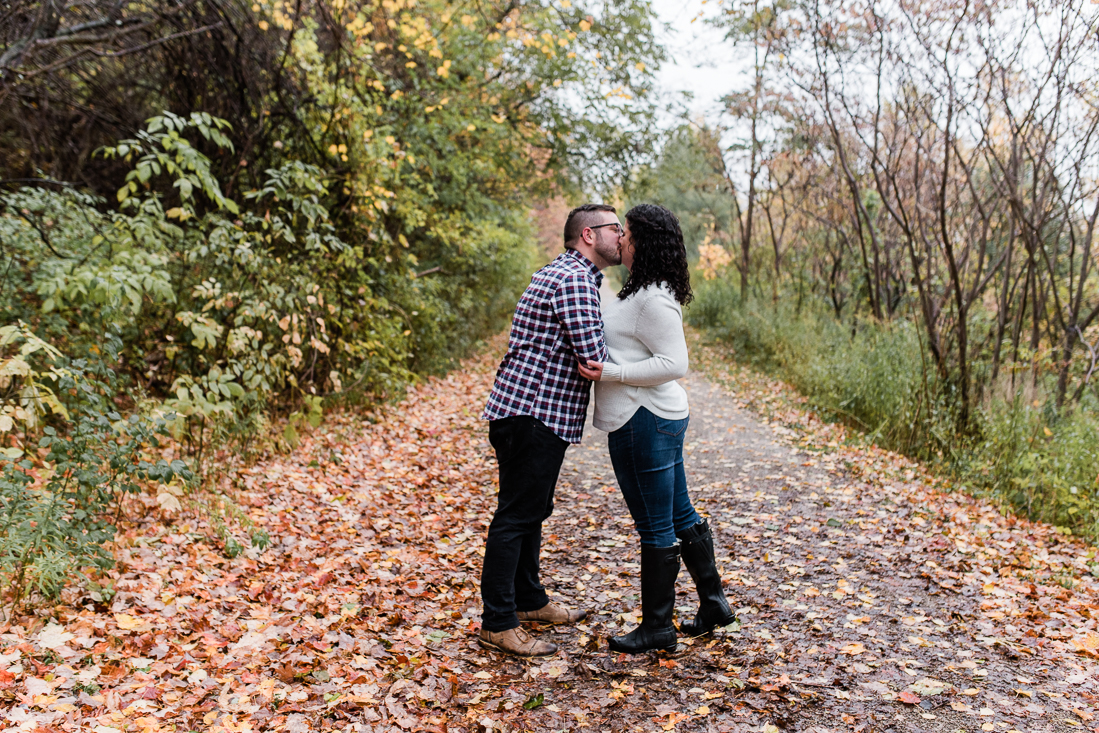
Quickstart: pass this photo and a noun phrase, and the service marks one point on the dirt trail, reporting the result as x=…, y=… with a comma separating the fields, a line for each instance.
x=857, y=612
x=868, y=600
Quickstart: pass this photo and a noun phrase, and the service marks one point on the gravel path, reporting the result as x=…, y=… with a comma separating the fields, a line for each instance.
x=845, y=620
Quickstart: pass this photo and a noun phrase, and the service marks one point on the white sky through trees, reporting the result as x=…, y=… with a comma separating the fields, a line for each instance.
x=700, y=60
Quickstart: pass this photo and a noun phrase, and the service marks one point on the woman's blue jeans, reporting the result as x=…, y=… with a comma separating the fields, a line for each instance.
x=647, y=454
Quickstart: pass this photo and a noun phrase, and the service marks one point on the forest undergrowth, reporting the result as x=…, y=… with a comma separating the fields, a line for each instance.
x=1020, y=449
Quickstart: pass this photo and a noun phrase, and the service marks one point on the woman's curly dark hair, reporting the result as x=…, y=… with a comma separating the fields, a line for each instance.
x=659, y=255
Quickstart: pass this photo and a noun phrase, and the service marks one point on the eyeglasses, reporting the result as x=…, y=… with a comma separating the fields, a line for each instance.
x=617, y=227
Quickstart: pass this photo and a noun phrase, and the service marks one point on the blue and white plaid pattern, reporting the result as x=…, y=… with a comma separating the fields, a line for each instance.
x=557, y=320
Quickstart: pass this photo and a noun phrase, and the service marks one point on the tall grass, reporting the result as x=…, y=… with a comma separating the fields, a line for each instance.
x=874, y=376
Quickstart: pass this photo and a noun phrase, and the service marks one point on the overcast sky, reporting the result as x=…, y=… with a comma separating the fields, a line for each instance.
x=700, y=60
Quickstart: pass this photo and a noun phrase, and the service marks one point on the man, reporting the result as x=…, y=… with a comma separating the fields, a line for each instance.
x=537, y=408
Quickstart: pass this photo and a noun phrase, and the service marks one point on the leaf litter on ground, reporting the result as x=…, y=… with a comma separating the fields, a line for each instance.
x=869, y=595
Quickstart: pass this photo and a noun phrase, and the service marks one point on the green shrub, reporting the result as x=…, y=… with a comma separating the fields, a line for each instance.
x=874, y=377
x=1042, y=462
x=868, y=375
x=210, y=318
x=58, y=511
x=229, y=311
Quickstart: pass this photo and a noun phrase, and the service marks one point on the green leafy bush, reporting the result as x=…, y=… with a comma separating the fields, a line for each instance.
x=61, y=493
x=872, y=375
x=213, y=318
x=1045, y=463
x=359, y=216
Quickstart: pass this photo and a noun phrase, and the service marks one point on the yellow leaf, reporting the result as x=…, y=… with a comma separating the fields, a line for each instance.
x=1047, y=431
x=853, y=649
x=1087, y=643
x=126, y=622
x=703, y=710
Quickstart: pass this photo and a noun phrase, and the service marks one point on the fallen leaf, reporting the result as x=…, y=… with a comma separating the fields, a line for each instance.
x=1089, y=643
x=36, y=686
x=926, y=687
x=126, y=622
x=54, y=636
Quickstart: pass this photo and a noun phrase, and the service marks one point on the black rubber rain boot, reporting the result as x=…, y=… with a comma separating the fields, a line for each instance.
x=659, y=568
x=697, y=549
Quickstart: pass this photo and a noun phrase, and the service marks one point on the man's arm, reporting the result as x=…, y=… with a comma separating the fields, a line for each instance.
x=576, y=305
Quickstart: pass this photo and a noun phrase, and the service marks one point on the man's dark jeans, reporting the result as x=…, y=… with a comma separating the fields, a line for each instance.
x=530, y=457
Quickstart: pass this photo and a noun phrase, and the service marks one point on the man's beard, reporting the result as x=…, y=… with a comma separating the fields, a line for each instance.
x=609, y=252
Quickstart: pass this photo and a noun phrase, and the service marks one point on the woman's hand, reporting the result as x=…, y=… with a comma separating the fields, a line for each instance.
x=593, y=370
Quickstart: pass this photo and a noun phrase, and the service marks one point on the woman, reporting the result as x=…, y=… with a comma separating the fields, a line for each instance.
x=638, y=401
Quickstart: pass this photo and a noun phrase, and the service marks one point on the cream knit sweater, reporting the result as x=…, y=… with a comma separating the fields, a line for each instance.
x=648, y=352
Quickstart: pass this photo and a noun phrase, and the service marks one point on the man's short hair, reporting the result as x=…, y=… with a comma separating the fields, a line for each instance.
x=580, y=218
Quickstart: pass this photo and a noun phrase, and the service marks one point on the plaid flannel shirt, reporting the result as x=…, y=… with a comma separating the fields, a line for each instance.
x=557, y=321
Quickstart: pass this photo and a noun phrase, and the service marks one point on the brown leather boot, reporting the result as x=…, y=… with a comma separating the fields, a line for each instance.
x=517, y=642
x=551, y=613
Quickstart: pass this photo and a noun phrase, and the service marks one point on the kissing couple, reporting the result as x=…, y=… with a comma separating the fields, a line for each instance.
x=633, y=349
